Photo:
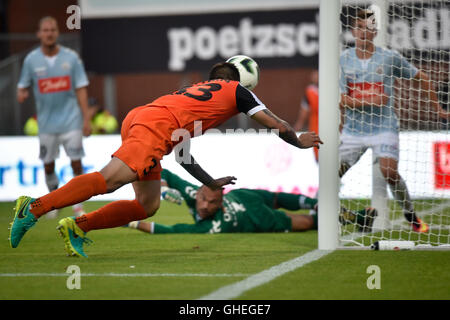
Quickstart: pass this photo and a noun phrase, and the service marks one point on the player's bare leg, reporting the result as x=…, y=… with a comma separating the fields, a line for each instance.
x=77, y=167
x=52, y=181
x=116, y=174
x=148, y=194
x=389, y=169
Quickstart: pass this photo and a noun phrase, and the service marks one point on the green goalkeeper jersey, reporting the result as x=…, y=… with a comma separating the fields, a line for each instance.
x=243, y=210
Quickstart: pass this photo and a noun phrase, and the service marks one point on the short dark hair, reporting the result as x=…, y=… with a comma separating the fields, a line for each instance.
x=362, y=14
x=224, y=70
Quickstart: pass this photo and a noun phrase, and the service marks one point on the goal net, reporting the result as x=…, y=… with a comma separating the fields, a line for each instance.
x=395, y=145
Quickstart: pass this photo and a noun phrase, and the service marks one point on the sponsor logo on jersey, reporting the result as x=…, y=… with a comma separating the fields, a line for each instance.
x=359, y=89
x=54, y=84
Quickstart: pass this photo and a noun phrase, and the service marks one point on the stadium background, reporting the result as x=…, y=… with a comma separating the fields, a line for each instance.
x=128, y=67
x=136, y=51
x=127, y=58
x=340, y=275
x=128, y=55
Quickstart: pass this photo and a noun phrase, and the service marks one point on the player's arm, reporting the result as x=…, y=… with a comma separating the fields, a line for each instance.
x=80, y=83
x=24, y=82
x=285, y=131
x=186, y=189
x=82, y=97
x=403, y=69
x=155, y=228
x=422, y=82
x=360, y=99
x=22, y=94
x=247, y=102
x=201, y=175
x=180, y=228
x=173, y=181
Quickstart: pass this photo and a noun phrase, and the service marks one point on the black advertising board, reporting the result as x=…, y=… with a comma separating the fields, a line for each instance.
x=275, y=39
x=284, y=38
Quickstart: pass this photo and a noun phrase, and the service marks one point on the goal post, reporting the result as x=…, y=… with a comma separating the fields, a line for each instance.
x=395, y=83
x=328, y=200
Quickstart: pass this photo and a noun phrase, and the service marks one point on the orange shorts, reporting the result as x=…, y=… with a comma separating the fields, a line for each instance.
x=146, y=137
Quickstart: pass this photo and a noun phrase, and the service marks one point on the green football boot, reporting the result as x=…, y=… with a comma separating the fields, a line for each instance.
x=23, y=220
x=74, y=238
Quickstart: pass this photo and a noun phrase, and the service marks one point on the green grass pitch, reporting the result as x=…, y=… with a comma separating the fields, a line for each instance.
x=187, y=267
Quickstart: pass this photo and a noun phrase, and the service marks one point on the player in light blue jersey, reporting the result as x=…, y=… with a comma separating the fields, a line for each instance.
x=368, y=119
x=59, y=83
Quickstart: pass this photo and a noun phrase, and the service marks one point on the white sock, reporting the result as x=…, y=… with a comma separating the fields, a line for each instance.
x=133, y=224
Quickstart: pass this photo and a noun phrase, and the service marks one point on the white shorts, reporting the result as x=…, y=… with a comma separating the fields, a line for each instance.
x=384, y=145
x=72, y=142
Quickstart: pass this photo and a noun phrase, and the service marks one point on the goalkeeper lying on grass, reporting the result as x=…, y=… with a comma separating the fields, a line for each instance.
x=243, y=210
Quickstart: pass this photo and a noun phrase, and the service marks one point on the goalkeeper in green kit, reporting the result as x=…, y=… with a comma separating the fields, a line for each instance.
x=243, y=210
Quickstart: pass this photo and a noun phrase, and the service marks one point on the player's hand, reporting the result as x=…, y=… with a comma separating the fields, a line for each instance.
x=309, y=139
x=22, y=94
x=87, y=128
x=444, y=115
x=219, y=183
x=171, y=195
x=375, y=99
x=360, y=99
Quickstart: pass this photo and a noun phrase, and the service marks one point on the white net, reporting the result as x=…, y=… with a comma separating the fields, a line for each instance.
x=394, y=95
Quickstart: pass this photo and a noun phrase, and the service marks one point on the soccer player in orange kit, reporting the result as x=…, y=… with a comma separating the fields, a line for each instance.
x=146, y=137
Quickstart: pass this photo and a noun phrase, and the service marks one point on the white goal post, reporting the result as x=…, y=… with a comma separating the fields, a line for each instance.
x=328, y=123
x=396, y=96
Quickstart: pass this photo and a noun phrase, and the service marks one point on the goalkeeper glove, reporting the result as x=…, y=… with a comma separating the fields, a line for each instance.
x=171, y=195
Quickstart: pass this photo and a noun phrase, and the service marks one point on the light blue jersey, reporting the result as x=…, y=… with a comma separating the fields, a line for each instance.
x=375, y=75
x=54, y=87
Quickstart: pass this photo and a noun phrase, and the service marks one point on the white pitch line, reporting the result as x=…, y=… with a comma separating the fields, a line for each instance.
x=124, y=275
x=236, y=289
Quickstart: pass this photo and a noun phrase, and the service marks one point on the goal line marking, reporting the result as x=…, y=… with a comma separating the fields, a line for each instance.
x=236, y=289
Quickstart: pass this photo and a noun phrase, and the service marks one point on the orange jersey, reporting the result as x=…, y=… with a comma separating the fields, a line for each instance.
x=208, y=104
x=311, y=103
x=312, y=96
x=147, y=130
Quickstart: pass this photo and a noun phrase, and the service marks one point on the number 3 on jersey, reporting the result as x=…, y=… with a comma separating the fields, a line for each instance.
x=206, y=89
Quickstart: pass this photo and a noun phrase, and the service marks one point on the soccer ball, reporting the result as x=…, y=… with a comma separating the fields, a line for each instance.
x=248, y=70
